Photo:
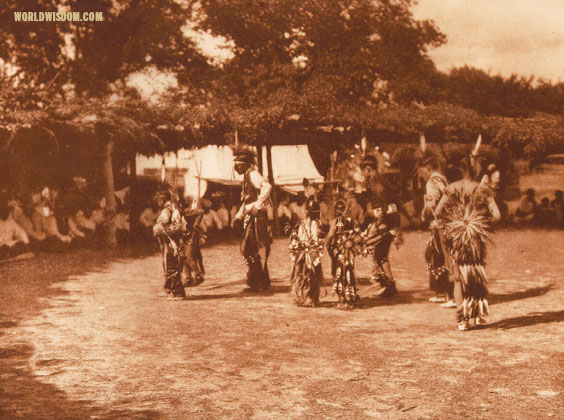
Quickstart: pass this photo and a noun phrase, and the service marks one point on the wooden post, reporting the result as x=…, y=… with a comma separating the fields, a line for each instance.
x=273, y=194
x=133, y=203
x=109, y=190
x=332, y=172
x=259, y=159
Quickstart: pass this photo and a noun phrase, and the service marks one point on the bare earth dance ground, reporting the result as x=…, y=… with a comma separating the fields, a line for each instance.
x=84, y=336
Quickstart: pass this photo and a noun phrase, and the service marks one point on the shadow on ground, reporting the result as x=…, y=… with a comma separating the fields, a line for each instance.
x=402, y=298
x=529, y=293
x=25, y=288
x=528, y=320
x=273, y=290
x=25, y=397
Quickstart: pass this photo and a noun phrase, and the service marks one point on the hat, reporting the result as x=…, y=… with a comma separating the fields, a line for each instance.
x=247, y=157
x=369, y=161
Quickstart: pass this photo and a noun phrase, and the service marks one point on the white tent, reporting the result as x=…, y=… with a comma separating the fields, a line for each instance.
x=290, y=165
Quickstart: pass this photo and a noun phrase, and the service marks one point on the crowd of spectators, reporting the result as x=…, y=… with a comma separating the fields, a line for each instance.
x=546, y=213
x=48, y=219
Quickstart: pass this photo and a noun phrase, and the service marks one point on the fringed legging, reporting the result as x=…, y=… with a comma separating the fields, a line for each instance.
x=471, y=292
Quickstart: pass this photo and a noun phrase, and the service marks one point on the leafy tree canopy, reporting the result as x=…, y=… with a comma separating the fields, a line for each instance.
x=90, y=56
x=319, y=57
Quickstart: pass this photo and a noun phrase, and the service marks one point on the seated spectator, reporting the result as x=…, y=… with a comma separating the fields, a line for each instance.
x=147, y=219
x=122, y=196
x=62, y=211
x=13, y=239
x=78, y=197
x=527, y=207
x=284, y=213
x=557, y=206
x=298, y=209
x=86, y=224
x=44, y=221
x=223, y=215
x=21, y=214
x=232, y=212
x=121, y=221
x=545, y=214
x=74, y=231
x=210, y=221
x=78, y=207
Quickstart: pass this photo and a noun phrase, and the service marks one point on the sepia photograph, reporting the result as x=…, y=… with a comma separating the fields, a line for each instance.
x=281, y=209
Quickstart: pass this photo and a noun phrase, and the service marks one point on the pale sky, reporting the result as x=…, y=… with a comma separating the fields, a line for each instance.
x=525, y=37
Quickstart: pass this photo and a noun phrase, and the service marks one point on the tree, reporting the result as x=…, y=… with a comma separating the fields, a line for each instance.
x=92, y=55
x=324, y=60
x=64, y=60
x=489, y=94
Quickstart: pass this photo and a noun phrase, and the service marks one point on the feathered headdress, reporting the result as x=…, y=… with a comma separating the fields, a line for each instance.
x=427, y=154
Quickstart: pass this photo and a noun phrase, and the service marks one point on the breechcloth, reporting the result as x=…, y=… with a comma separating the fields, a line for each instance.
x=256, y=237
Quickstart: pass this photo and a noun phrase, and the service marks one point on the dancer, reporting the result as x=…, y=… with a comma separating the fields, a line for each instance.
x=257, y=235
x=334, y=230
x=191, y=237
x=383, y=229
x=167, y=229
x=306, y=251
x=464, y=214
x=344, y=242
x=435, y=184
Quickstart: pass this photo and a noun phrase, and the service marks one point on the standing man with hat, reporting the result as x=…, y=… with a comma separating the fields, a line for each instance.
x=257, y=236
x=384, y=228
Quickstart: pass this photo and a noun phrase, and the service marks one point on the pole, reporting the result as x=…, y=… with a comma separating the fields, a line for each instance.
x=133, y=203
x=107, y=170
x=273, y=194
x=259, y=159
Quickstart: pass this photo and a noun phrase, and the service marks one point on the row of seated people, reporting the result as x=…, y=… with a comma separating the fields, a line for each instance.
x=547, y=213
x=53, y=221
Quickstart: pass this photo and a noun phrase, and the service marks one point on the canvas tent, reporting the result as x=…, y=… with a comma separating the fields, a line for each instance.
x=197, y=167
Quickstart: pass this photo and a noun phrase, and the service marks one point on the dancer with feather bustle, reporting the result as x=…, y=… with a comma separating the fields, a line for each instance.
x=464, y=215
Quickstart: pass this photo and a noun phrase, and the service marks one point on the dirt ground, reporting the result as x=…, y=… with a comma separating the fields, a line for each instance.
x=84, y=336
